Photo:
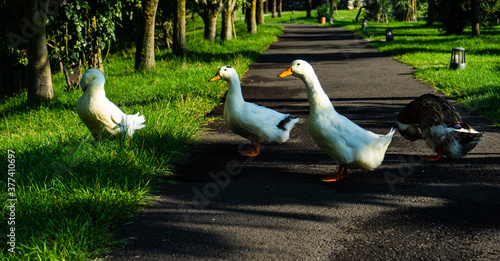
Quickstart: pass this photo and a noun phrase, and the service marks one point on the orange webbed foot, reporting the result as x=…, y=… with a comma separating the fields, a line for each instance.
x=252, y=152
x=437, y=157
x=341, y=174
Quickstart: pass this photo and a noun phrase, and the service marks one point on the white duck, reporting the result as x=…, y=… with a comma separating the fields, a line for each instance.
x=100, y=115
x=442, y=128
x=345, y=142
x=249, y=120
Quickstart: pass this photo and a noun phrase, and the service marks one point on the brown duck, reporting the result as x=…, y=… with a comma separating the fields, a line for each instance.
x=435, y=120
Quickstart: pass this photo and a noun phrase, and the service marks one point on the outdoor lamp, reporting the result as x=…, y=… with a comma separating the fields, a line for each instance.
x=389, y=36
x=457, y=58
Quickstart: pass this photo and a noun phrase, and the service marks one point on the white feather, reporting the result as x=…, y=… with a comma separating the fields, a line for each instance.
x=340, y=138
x=101, y=116
x=249, y=120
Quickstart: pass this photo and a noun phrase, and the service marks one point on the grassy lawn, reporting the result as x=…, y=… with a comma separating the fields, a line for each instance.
x=72, y=191
x=428, y=50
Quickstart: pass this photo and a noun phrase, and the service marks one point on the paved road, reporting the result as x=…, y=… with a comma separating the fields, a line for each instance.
x=274, y=207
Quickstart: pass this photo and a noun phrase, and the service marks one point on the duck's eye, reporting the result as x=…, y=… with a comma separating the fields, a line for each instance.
x=298, y=64
x=225, y=69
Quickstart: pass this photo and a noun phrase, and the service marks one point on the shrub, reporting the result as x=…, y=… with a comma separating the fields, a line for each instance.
x=453, y=15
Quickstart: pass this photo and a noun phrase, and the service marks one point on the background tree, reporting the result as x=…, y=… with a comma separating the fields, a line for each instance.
x=273, y=9
x=227, y=20
x=39, y=72
x=145, y=41
x=179, y=43
x=280, y=7
x=13, y=60
x=431, y=12
x=475, y=19
x=308, y=7
x=209, y=10
x=333, y=5
x=78, y=34
x=377, y=10
x=250, y=16
x=452, y=15
x=260, y=11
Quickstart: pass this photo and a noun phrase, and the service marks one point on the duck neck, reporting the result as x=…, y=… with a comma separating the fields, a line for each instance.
x=96, y=89
x=234, y=94
x=318, y=100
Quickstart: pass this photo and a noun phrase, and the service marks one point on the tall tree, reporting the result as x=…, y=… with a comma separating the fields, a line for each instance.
x=273, y=9
x=250, y=16
x=227, y=20
x=280, y=7
x=431, y=12
x=145, y=42
x=209, y=11
x=179, y=43
x=308, y=6
x=333, y=6
x=475, y=18
x=39, y=72
x=260, y=11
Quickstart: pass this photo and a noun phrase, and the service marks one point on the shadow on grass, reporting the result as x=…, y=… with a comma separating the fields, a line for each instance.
x=74, y=193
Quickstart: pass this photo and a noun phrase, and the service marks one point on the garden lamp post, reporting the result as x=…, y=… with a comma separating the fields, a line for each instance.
x=389, y=36
x=457, y=58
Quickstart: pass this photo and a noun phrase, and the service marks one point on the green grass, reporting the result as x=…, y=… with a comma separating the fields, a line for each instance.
x=72, y=191
x=428, y=50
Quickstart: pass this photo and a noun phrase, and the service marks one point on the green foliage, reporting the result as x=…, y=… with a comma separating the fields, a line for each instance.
x=377, y=10
x=489, y=12
x=452, y=15
x=72, y=190
x=80, y=30
x=324, y=10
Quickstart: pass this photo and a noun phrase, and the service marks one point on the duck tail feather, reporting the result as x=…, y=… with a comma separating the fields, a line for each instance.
x=130, y=123
x=285, y=123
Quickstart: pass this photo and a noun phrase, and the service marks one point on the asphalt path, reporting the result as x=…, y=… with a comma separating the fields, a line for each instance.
x=274, y=206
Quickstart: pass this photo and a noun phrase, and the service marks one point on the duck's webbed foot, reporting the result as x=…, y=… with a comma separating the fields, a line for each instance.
x=254, y=151
x=437, y=156
x=341, y=174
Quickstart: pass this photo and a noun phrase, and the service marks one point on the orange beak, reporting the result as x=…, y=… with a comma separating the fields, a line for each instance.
x=215, y=78
x=286, y=72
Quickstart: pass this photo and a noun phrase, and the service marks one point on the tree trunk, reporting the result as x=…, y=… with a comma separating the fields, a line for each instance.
x=308, y=4
x=280, y=7
x=179, y=44
x=475, y=18
x=333, y=6
x=145, y=42
x=431, y=12
x=209, y=11
x=227, y=18
x=273, y=9
x=260, y=11
x=210, y=32
x=40, y=76
x=250, y=17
